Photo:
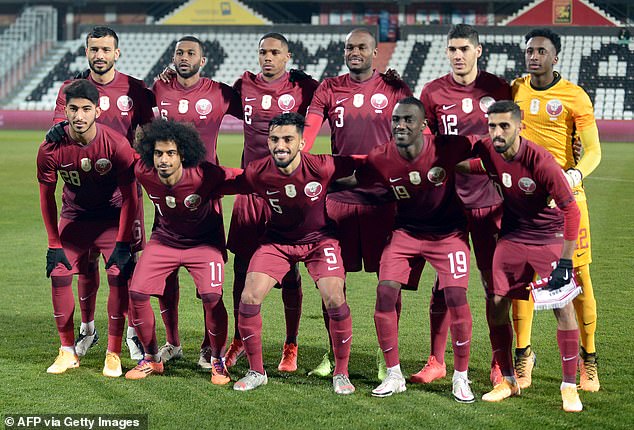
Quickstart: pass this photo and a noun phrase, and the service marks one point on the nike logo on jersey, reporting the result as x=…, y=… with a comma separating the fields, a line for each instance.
x=458, y=343
x=579, y=254
x=66, y=165
x=569, y=358
x=392, y=180
x=214, y=285
x=459, y=276
x=249, y=99
x=445, y=107
x=248, y=337
x=346, y=340
x=270, y=193
x=333, y=268
x=165, y=103
x=341, y=100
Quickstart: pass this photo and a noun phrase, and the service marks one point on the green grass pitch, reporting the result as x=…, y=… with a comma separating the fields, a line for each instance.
x=184, y=398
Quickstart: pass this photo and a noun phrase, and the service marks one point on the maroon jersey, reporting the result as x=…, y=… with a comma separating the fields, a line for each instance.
x=185, y=215
x=91, y=173
x=297, y=201
x=528, y=183
x=360, y=117
x=424, y=188
x=204, y=104
x=262, y=101
x=453, y=108
x=125, y=103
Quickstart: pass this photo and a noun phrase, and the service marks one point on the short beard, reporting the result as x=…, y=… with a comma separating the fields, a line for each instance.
x=100, y=72
x=193, y=71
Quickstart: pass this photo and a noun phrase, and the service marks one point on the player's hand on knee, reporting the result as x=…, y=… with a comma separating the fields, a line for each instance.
x=561, y=275
x=54, y=256
x=56, y=133
x=122, y=257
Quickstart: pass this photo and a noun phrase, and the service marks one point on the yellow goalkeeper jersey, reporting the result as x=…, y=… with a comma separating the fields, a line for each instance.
x=551, y=116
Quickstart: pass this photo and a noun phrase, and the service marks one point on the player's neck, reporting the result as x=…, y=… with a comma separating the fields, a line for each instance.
x=361, y=76
x=270, y=79
x=543, y=80
x=513, y=150
x=412, y=151
x=173, y=179
x=83, y=138
x=292, y=166
x=104, y=79
x=466, y=79
x=188, y=82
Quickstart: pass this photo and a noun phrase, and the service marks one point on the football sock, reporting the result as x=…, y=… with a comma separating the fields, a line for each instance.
x=586, y=308
x=463, y=375
x=386, y=322
x=399, y=305
x=117, y=311
x=568, y=341
x=460, y=324
x=206, y=341
x=168, y=304
x=438, y=324
x=64, y=308
x=523, y=321
x=292, y=297
x=69, y=349
x=250, y=323
x=87, y=327
x=216, y=321
x=341, y=335
x=143, y=321
x=395, y=370
x=87, y=286
x=502, y=343
x=239, y=279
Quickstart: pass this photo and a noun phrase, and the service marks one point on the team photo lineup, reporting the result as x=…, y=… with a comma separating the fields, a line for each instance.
x=472, y=162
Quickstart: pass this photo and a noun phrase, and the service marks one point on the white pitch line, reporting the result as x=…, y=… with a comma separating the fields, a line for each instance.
x=603, y=178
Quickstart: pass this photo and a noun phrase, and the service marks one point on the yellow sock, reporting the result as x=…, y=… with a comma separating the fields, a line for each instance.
x=523, y=321
x=586, y=308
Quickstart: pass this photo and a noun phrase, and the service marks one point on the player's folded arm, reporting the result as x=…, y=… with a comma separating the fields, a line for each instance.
x=591, y=150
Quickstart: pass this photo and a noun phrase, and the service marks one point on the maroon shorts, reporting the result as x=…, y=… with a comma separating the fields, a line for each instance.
x=204, y=263
x=448, y=254
x=362, y=231
x=138, y=225
x=484, y=226
x=83, y=242
x=322, y=259
x=248, y=220
x=515, y=265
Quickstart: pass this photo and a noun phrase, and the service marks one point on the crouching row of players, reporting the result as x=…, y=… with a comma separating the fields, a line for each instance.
x=95, y=162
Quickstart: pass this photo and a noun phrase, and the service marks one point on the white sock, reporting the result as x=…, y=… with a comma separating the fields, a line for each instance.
x=69, y=349
x=87, y=328
x=131, y=332
x=395, y=370
x=462, y=375
x=567, y=385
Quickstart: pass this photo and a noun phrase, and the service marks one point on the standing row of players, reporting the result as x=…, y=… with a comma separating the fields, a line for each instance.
x=357, y=103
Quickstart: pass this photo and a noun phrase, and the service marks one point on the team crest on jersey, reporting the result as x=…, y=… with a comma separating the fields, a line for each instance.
x=527, y=185
x=554, y=108
x=124, y=103
x=436, y=175
x=357, y=100
x=203, y=107
x=379, y=102
x=534, y=107
x=170, y=201
x=291, y=191
x=103, y=166
x=183, y=106
x=313, y=190
x=467, y=105
x=192, y=201
x=104, y=103
x=286, y=102
x=86, y=164
x=506, y=180
x=414, y=177
x=485, y=103
x=266, y=101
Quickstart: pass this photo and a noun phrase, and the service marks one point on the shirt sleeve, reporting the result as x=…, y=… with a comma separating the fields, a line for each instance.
x=345, y=165
x=232, y=97
x=60, y=103
x=367, y=174
x=46, y=169
x=425, y=98
x=591, y=150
